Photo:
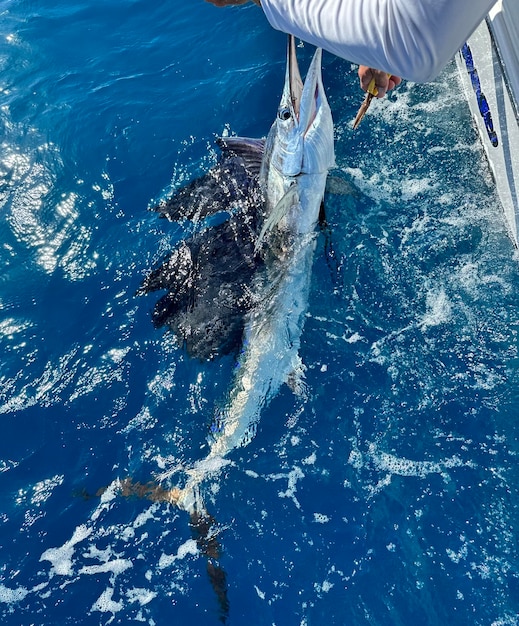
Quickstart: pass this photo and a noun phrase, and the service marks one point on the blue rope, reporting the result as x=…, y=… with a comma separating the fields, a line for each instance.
x=484, y=109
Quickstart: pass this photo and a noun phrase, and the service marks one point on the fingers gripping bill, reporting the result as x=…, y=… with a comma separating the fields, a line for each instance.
x=371, y=93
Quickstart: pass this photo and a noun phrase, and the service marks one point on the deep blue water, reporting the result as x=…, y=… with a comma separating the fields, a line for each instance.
x=389, y=494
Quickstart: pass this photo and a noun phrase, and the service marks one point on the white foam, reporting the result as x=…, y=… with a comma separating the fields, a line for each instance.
x=310, y=460
x=145, y=516
x=355, y=458
x=324, y=587
x=293, y=476
x=187, y=548
x=6, y=465
x=140, y=595
x=10, y=327
x=128, y=533
x=162, y=384
x=144, y=420
x=116, y=355
x=94, y=552
x=105, y=604
x=438, y=309
x=410, y=187
x=12, y=596
x=115, y=567
x=461, y=554
x=401, y=466
x=209, y=465
x=61, y=558
x=354, y=338
x=43, y=489
x=107, y=498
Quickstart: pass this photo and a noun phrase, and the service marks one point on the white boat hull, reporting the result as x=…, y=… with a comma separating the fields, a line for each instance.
x=495, y=51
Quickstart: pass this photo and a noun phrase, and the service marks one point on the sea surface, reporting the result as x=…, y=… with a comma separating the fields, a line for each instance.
x=387, y=494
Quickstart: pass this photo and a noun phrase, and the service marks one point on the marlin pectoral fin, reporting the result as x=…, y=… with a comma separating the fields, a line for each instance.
x=329, y=251
x=281, y=209
x=339, y=186
x=322, y=216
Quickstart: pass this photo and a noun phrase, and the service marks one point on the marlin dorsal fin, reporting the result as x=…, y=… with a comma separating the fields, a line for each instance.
x=250, y=150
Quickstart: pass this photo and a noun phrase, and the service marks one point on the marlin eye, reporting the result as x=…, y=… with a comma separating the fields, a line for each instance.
x=284, y=114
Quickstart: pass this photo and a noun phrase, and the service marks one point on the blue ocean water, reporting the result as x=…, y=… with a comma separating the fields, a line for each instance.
x=389, y=493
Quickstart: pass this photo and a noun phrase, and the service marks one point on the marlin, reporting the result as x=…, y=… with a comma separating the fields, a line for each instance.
x=273, y=190
x=239, y=284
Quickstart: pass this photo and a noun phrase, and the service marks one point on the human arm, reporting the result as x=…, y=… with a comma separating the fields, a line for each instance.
x=224, y=3
x=409, y=38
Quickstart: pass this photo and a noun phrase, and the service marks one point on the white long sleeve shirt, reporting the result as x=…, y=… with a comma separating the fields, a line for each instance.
x=413, y=39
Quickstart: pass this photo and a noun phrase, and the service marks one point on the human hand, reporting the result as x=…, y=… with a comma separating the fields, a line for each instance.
x=383, y=82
